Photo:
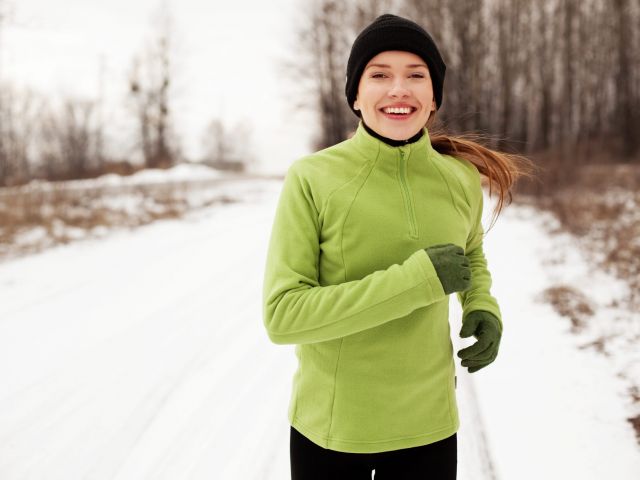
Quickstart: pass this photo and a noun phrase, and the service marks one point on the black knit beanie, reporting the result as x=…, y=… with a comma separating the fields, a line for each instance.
x=390, y=32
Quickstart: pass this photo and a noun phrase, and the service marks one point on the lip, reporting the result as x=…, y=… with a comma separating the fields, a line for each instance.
x=392, y=116
x=399, y=105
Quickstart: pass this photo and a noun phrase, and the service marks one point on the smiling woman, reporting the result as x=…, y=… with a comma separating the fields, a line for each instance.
x=370, y=237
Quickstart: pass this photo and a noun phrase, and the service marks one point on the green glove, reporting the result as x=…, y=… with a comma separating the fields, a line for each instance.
x=451, y=265
x=486, y=328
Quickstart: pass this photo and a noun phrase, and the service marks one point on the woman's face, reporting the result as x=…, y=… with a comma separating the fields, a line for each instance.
x=395, y=79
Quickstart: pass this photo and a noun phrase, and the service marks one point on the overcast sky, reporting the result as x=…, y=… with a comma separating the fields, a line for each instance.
x=225, y=60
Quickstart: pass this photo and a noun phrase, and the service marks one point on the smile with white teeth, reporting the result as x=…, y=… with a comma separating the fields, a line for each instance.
x=403, y=110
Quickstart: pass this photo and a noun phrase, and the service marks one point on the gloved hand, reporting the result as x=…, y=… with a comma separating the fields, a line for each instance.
x=452, y=266
x=486, y=328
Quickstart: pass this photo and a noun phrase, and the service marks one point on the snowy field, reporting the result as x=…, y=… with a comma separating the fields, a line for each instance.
x=142, y=355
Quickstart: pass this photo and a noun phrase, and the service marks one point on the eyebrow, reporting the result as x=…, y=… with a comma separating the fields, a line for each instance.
x=383, y=65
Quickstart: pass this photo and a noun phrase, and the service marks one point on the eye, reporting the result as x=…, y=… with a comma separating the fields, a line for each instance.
x=376, y=75
x=419, y=75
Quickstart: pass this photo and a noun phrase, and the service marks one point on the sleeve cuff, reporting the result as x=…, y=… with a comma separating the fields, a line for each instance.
x=430, y=274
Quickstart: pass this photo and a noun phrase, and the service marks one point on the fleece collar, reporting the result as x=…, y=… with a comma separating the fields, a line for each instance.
x=371, y=146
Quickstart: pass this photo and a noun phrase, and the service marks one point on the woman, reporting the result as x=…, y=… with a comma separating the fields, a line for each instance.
x=370, y=237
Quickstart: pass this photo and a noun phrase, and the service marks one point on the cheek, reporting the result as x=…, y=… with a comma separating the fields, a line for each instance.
x=427, y=100
x=371, y=93
x=368, y=104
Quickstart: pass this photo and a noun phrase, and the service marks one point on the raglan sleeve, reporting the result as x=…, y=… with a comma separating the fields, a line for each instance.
x=479, y=296
x=297, y=309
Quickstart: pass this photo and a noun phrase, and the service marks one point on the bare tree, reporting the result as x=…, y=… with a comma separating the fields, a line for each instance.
x=149, y=83
x=100, y=156
x=627, y=103
x=217, y=145
x=69, y=140
x=228, y=148
x=323, y=43
x=19, y=111
x=5, y=13
x=541, y=74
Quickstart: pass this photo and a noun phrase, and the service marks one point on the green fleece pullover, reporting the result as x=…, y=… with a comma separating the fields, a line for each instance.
x=348, y=281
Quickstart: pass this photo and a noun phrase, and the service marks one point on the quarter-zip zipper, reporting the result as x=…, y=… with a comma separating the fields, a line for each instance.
x=406, y=191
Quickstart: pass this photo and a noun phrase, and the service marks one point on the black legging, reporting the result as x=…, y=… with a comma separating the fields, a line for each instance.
x=436, y=461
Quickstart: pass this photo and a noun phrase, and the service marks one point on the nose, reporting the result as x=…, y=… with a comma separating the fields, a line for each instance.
x=398, y=88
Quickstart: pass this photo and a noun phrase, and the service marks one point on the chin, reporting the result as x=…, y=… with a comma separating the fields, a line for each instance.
x=400, y=133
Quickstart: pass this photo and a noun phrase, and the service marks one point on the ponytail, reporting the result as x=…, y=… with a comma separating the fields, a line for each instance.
x=500, y=169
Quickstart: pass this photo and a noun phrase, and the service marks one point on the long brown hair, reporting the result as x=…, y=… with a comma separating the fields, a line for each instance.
x=500, y=169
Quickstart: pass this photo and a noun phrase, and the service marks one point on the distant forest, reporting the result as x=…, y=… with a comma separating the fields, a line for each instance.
x=555, y=77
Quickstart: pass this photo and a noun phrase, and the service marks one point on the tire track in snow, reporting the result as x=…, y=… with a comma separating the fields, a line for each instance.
x=475, y=458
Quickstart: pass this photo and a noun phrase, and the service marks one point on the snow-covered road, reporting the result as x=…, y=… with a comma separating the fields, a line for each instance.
x=142, y=355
